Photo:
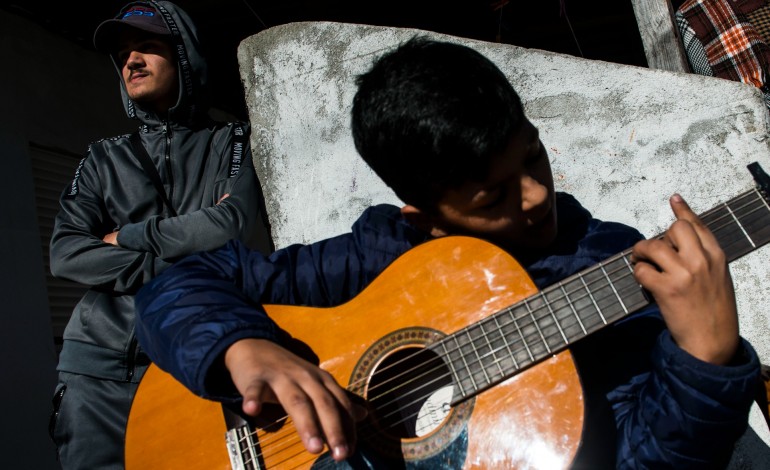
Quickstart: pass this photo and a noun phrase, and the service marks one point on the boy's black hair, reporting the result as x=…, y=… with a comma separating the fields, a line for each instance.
x=428, y=117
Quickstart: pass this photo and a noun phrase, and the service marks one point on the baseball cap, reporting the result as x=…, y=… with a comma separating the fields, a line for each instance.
x=136, y=16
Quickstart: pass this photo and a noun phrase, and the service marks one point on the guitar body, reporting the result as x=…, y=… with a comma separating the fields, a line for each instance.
x=531, y=420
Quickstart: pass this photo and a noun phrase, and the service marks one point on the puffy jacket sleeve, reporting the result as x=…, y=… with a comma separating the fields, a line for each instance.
x=237, y=217
x=684, y=413
x=77, y=251
x=193, y=311
x=188, y=316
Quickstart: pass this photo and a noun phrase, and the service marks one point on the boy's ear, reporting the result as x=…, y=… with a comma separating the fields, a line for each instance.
x=422, y=221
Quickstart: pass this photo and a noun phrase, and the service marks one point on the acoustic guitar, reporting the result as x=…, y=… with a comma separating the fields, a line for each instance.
x=443, y=355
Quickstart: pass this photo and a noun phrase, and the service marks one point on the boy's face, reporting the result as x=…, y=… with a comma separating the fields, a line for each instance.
x=514, y=207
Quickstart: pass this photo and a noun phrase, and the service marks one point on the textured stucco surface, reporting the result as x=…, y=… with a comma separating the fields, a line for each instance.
x=620, y=138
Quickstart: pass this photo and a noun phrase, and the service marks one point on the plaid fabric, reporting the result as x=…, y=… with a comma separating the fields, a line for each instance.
x=734, y=49
x=760, y=19
x=696, y=54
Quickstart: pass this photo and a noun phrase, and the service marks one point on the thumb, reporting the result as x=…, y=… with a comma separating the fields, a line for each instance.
x=255, y=394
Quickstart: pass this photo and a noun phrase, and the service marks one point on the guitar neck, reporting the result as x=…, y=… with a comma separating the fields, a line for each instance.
x=498, y=347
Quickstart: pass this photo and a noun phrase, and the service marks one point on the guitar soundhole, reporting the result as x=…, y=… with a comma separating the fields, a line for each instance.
x=410, y=392
x=408, y=389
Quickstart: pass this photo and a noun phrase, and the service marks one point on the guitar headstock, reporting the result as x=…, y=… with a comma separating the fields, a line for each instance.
x=762, y=179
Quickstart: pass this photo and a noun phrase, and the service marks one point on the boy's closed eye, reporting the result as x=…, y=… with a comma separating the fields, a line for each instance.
x=491, y=198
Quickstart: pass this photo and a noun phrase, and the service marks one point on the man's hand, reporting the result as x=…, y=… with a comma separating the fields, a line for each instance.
x=111, y=238
x=263, y=371
x=687, y=273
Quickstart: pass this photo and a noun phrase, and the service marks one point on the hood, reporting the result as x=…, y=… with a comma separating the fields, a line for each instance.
x=192, y=103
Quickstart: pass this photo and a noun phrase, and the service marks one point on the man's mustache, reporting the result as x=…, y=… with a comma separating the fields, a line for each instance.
x=137, y=71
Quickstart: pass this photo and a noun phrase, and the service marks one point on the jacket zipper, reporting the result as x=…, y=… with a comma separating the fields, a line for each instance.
x=167, y=159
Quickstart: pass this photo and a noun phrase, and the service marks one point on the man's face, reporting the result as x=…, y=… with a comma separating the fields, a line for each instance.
x=514, y=207
x=149, y=71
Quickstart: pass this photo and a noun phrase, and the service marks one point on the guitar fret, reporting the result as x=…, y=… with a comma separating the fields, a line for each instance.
x=612, y=286
x=479, y=342
x=749, y=212
x=578, y=307
x=534, y=322
x=464, y=363
x=593, y=300
x=572, y=307
x=732, y=214
x=581, y=314
x=605, y=298
x=556, y=321
x=511, y=337
x=457, y=380
x=625, y=283
x=497, y=334
x=754, y=218
x=482, y=369
x=506, y=344
x=638, y=298
x=558, y=305
x=521, y=335
x=764, y=201
x=529, y=332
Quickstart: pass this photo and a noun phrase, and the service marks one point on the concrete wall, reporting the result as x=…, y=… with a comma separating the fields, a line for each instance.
x=55, y=94
x=620, y=138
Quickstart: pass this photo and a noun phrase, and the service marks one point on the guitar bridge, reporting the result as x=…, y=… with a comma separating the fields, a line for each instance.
x=242, y=443
x=240, y=449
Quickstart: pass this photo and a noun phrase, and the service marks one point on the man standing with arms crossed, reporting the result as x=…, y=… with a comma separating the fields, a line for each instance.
x=182, y=183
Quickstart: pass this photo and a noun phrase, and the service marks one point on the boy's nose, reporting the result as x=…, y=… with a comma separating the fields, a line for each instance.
x=533, y=193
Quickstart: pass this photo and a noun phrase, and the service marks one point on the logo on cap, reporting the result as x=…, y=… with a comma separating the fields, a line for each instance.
x=139, y=11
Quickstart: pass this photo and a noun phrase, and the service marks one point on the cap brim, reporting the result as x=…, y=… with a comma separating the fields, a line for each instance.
x=108, y=32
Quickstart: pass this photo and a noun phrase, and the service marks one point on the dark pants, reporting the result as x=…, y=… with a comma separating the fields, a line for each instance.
x=89, y=424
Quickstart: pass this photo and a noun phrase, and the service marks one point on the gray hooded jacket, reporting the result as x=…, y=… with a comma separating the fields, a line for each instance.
x=198, y=161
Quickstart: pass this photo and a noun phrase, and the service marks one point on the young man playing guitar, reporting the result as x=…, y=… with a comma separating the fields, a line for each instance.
x=669, y=387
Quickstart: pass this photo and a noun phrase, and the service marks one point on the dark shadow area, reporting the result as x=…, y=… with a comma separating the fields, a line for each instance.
x=594, y=29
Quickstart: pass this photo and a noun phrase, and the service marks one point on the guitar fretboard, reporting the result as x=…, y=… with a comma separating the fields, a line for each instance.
x=498, y=347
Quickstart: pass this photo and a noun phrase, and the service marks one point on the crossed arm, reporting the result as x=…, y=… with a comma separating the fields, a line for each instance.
x=112, y=237
x=86, y=248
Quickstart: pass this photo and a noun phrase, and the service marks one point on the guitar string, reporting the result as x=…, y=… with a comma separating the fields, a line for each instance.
x=492, y=352
x=541, y=317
